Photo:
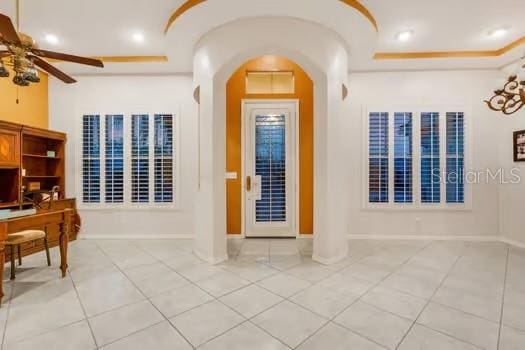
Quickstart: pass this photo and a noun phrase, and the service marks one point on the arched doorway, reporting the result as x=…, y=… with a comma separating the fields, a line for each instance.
x=281, y=177
x=217, y=56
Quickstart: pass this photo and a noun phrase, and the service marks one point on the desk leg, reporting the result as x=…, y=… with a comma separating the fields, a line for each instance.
x=3, y=238
x=64, y=238
x=2, y=261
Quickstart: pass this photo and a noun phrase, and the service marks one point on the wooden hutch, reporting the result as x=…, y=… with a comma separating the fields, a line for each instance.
x=33, y=157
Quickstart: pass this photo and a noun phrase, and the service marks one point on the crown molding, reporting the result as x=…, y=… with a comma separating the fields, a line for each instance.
x=189, y=4
x=449, y=54
x=124, y=59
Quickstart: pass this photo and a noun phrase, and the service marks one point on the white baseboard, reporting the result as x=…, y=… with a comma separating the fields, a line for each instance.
x=470, y=238
x=137, y=237
x=512, y=242
x=478, y=238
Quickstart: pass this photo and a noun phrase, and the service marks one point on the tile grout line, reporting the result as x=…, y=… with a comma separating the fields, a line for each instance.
x=7, y=314
x=34, y=335
x=429, y=300
x=450, y=336
x=503, y=298
x=83, y=310
x=217, y=299
x=288, y=298
x=140, y=291
x=101, y=250
x=194, y=283
x=251, y=283
x=47, y=331
x=249, y=320
x=235, y=311
x=365, y=292
x=214, y=299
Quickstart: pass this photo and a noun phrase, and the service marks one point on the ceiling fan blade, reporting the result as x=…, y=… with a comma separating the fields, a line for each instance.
x=4, y=53
x=68, y=58
x=7, y=30
x=52, y=70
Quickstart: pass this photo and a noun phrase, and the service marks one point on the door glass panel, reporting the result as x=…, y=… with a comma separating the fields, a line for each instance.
x=270, y=165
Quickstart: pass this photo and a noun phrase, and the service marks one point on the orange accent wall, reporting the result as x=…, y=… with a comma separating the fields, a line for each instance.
x=32, y=108
x=235, y=92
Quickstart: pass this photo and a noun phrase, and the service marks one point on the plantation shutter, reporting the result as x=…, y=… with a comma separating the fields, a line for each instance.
x=140, y=158
x=455, y=158
x=91, y=159
x=403, y=158
x=163, y=158
x=114, y=142
x=430, y=158
x=378, y=158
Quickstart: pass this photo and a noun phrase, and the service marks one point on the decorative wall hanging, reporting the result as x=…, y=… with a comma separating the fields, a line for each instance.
x=509, y=99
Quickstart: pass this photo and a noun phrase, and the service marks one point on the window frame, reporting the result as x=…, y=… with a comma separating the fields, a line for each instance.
x=417, y=204
x=127, y=204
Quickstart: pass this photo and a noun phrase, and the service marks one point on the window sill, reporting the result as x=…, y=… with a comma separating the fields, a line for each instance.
x=104, y=207
x=418, y=208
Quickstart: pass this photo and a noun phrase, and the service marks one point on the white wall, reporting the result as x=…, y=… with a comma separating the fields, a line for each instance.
x=441, y=88
x=512, y=196
x=491, y=148
x=125, y=94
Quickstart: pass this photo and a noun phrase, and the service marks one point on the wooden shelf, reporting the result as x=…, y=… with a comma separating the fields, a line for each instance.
x=27, y=149
x=39, y=156
x=41, y=176
x=8, y=204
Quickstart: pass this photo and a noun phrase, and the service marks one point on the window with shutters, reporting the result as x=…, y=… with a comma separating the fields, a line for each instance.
x=415, y=158
x=128, y=160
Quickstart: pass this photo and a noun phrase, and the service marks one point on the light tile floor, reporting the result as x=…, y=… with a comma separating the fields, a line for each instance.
x=154, y=294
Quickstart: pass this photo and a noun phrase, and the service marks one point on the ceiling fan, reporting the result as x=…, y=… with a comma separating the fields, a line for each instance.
x=22, y=53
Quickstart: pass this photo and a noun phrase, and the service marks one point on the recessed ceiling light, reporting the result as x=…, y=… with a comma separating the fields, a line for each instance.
x=138, y=37
x=498, y=33
x=52, y=39
x=404, y=35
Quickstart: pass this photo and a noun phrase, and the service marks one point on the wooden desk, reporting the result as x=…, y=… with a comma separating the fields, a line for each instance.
x=62, y=218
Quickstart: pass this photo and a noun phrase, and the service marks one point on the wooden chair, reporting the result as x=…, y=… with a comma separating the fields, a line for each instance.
x=15, y=240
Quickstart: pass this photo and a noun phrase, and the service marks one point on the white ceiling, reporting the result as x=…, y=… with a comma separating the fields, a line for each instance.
x=104, y=28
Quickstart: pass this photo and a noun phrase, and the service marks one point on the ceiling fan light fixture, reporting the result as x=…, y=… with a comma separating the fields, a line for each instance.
x=4, y=73
x=20, y=79
x=24, y=54
x=32, y=75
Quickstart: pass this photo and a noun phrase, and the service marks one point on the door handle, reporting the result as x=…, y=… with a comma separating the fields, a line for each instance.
x=248, y=183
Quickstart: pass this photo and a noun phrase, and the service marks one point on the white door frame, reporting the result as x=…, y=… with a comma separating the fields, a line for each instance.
x=295, y=149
